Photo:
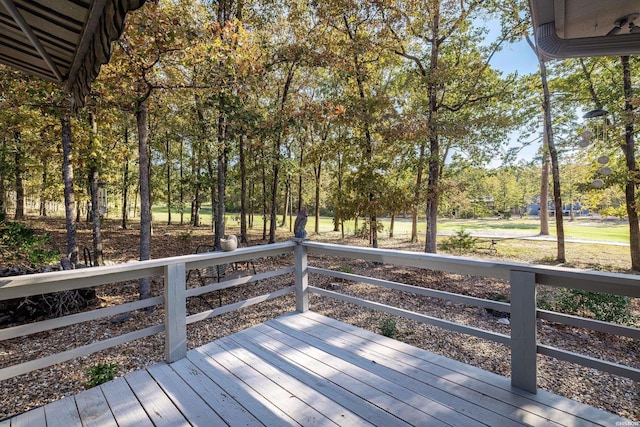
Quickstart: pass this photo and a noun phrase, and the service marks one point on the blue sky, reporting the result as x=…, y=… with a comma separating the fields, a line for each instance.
x=516, y=57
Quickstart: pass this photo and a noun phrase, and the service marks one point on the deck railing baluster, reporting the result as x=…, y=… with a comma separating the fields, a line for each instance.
x=175, y=308
x=301, y=277
x=523, y=331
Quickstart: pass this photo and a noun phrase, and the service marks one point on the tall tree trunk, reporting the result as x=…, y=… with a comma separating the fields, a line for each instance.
x=144, y=284
x=317, y=169
x=203, y=141
x=125, y=183
x=181, y=181
x=300, y=166
x=93, y=186
x=168, y=153
x=544, y=192
x=274, y=193
x=287, y=198
x=67, y=177
x=252, y=188
x=195, y=205
x=368, y=149
x=19, y=176
x=43, y=188
x=632, y=169
x=417, y=193
x=276, y=156
x=337, y=219
x=243, y=192
x=555, y=168
x=3, y=171
x=433, y=190
x=125, y=194
x=223, y=151
x=264, y=195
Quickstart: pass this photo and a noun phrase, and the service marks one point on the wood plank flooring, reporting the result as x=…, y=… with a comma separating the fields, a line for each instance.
x=307, y=369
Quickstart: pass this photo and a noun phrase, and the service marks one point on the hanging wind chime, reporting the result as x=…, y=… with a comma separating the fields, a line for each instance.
x=600, y=134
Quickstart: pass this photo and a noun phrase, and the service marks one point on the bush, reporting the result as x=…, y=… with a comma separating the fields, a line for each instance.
x=363, y=232
x=344, y=269
x=618, y=212
x=461, y=241
x=101, y=373
x=388, y=327
x=601, y=306
x=19, y=243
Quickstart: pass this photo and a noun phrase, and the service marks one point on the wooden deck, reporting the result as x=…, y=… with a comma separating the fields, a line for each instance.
x=307, y=369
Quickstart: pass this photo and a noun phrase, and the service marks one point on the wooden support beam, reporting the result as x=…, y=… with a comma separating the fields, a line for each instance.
x=523, y=331
x=301, y=277
x=175, y=307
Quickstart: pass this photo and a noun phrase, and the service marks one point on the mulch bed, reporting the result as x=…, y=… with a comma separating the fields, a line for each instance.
x=611, y=393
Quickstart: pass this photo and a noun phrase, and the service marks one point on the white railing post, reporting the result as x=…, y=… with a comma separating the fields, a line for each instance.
x=301, y=276
x=175, y=312
x=523, y=331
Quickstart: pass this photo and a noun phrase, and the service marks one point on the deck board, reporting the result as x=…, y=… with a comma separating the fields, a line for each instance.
x=307, y=369
x=124, y=404
x=155, y=402
x=190, y=404
x=294, y=364
x=543, y=403
x=331, y=409
x=32, y=418
x=215, y=396
x=474, y=398
x=64, y=411
x=382, y=393
x=94, y=409
x=428, y=386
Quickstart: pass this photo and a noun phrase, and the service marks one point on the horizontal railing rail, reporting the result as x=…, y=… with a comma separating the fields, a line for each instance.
x=523, y=279
x=173, y=270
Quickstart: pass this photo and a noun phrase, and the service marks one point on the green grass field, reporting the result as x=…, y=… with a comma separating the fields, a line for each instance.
x=583, y=228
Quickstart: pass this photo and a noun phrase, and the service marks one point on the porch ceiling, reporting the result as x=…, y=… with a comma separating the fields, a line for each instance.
x=579, y=28
x=64, y=41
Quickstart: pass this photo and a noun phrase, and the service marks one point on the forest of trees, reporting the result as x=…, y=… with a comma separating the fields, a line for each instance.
x=355, y=109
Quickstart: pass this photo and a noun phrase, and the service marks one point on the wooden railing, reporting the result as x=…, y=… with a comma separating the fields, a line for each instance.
x=173, y=270
x=523, y=279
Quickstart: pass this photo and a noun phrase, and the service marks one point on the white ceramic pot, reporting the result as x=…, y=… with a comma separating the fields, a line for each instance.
x=229, y=243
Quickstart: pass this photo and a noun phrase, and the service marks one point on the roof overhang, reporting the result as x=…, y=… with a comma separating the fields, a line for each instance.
x=64, y=41
x=581, y=28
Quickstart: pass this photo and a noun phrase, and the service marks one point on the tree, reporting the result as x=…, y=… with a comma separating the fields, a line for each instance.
x=600, y=82
x=432, y=37
x=553, y=155
x=140, y=64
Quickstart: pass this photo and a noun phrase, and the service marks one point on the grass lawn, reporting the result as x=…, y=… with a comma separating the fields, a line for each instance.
x=583, y=228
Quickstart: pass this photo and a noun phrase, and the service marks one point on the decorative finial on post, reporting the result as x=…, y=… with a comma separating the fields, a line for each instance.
x=300, y=224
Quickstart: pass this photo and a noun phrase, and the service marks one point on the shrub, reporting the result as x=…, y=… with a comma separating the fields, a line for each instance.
x=601, y=306
x=364, y=231
x=20, y=243
x=344, y=269
x=461, y=241
x=101, y=373
x=388, y=327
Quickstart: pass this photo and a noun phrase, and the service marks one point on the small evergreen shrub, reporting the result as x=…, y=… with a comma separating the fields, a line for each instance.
x=344, y=269
x=388, y=327
x=101, y=373
x=459, y=242
x=364, y=231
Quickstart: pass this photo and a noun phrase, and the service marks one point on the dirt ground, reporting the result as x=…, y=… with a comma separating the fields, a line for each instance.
x=611, y=393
